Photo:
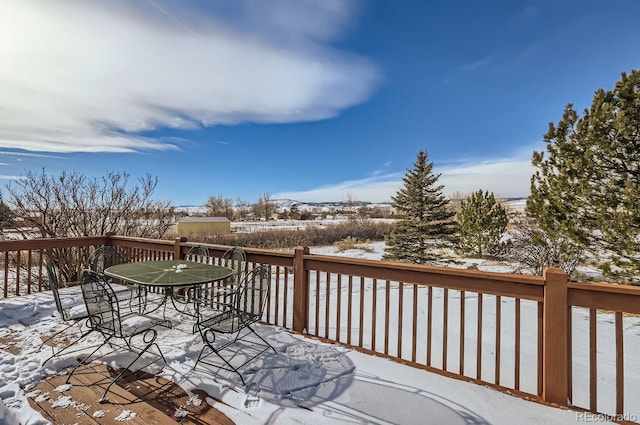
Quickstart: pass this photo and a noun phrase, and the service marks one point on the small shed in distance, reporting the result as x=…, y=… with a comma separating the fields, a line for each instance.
x=206, y=225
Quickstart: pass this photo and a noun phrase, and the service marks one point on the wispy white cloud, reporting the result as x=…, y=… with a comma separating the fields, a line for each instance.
x=378, y=188
x=19, y=155
x=509, y=178
x=383, y=169
x=89, y=75
x=484, y=62
x=505, y=177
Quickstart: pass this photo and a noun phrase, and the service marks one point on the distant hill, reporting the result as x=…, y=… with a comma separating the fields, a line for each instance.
x=516, y=204
x=286, y=204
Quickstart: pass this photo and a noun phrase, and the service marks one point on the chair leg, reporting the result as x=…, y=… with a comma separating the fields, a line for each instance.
x=151, y=342
x=86, y=359
x=50, y=337
x=231, y=368
x=55, y=354
x=261, y=338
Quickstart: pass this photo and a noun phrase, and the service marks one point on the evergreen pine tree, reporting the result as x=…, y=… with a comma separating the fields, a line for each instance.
x=482, y=222
x=587, y=186
x=424, y=222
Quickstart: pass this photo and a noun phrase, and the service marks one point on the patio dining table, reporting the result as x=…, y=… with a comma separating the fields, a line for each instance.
x=170, y=275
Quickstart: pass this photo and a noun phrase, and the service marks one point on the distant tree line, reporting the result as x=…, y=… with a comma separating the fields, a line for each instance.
x=219, y=206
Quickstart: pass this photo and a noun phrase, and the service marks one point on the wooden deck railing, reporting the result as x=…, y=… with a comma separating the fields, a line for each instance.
x=513, y=332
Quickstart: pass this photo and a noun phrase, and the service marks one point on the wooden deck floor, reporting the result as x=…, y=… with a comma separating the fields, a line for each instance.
x=140, y=398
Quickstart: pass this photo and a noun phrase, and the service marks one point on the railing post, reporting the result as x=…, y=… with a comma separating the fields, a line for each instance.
x=177, y=252
x=555, y=378
x=108, y=235
x=300, y=291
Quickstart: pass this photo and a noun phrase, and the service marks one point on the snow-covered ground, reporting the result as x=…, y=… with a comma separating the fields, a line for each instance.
x=309, y=382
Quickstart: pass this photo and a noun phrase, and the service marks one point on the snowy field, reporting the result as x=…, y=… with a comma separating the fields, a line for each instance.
x=309, y=382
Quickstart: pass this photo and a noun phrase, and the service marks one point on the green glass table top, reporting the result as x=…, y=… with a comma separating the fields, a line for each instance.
x=174, y=273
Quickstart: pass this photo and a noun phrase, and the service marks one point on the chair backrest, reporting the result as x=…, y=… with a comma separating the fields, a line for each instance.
x=254, y=292
x=106, y=256
x=53, y=284
x=236, y=259
x=102, y=304
x=198, y=253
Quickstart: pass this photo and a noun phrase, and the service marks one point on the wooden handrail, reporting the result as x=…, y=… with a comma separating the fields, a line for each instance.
x=510, y=285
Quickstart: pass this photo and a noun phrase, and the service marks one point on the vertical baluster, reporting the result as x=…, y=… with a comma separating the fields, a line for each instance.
x=479, y=333
x=400, y=317
x=374, y=296
x=327, y=311
x=593, y=360
x=349, y=308
x=516, y=360
x=17, y=272
x=429, y=322
x=317, y=303
x=40, y=269
x=569, y=354
x=269, y=300
x=276, y=301
x=70, y=265
x=445, y=327
x=288, y=280
x=540, y=345
x=338, y=307
x=619, y=364
x=79, y=261
x=361, y=322
x=29, y=273
x=498, y=334
x=61, y=281
x=462, y=322
x=387, y=318
x=414, y=324
x=285, y=301
x=6, y=274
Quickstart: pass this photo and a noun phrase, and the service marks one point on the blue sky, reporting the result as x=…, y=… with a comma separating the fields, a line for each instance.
x=313, y=100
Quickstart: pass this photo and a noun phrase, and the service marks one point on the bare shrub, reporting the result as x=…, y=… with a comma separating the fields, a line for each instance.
x=311, y=236
x=534, y=250
x=73, y=205
x=352, y=243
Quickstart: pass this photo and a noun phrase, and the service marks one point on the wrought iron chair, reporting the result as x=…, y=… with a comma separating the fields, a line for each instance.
x=218, y=295
x=198, y=253
x=105, y=317
x=72, y=309
x=236, y=322
x=235, y=258
x=106, y=256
